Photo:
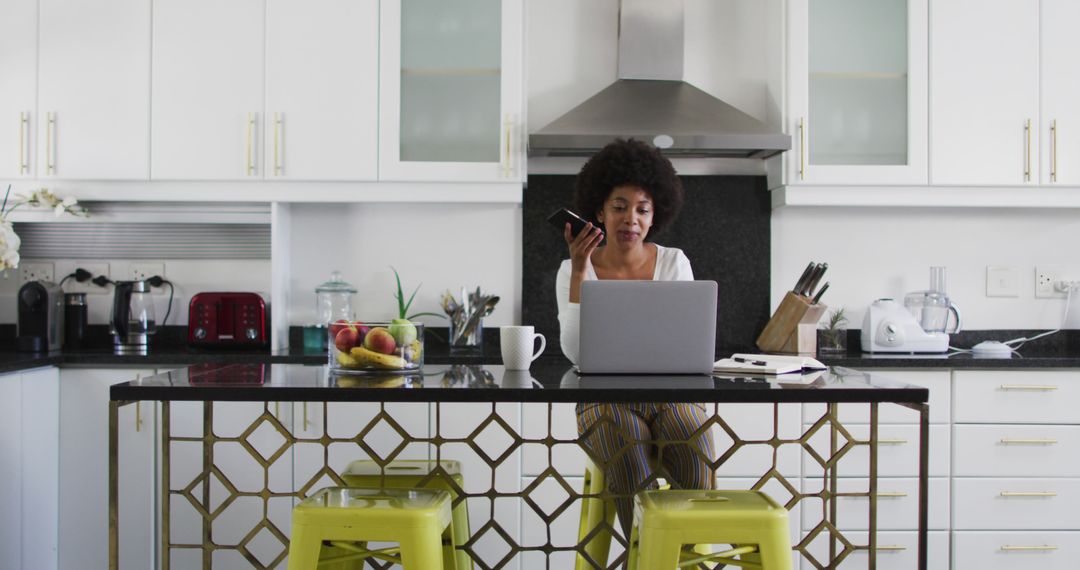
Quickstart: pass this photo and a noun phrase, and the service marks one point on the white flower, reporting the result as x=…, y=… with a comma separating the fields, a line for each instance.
x=69, y=201
x=9, y=240
x=58, y=210
x=9, y=246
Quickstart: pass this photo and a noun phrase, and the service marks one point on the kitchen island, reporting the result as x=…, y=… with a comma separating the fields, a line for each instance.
x=484, y=416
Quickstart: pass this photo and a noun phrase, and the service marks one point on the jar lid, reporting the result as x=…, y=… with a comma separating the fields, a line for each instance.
x=335, y=285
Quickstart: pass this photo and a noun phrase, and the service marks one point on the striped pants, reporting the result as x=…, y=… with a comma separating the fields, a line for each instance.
x=633, y=440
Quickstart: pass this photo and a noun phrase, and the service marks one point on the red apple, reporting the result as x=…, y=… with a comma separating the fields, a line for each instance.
x=380, y=340
x=336, y=326
x=347, y=338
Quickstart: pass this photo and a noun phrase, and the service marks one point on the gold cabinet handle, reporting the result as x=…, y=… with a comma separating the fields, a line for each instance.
x=277, y=144
x=802, y=148
x=1007, y=547
x=508, y=128
x=277, y=410
x=250, y=144
x=897, y=441
x=1028, y=494
x=1053, y=150
x=24, y=125
x=891, y=547
x=1027, y=150
x=1023, y=441
x=50, y=164
x=881, y=494
x=1030, y=387
x=305, y=417
x=138, y=416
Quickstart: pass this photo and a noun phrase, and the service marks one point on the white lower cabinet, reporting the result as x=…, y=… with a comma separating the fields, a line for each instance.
x=897, y=507
x=1016, y=550
x=895, y=551
x=84, y=471
x=1016, y=451
x=1015, y=503
x=898, y=452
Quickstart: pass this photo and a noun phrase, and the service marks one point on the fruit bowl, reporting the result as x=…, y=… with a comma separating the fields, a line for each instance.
x=366, y=347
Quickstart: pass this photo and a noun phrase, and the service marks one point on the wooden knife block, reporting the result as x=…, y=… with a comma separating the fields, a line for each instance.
x=793, y=327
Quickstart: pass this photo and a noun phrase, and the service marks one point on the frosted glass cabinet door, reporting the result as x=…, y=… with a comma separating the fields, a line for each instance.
x=450, y=85
x=18, y=67
x=1060, y=125
x=858, y=76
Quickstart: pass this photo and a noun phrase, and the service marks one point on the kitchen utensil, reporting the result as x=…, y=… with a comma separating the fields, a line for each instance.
x=801, y=282
x=931, y=308
x=41, y=317
x=333, y=300
x=133, y=318
x=815, y=278
x=227, y=319
x=75, y=320
x=817, y=297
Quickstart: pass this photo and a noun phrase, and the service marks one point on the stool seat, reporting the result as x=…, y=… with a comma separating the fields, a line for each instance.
x=417, y=519
x=751, y=520
x=414, y=473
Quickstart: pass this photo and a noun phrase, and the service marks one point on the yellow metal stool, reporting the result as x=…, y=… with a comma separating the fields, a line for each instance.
x=666, y=521
x=596, y=521
x=348, y=518
x=411, y=474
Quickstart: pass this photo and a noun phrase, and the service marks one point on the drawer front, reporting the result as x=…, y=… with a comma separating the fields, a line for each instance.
x=1016, y=451
x=896, y=551
x=1016, y=504
x=937, y=381
x=750, y=422
x=898, y=504
x=1034, y=397
x=898, y=452
x=1016, y=550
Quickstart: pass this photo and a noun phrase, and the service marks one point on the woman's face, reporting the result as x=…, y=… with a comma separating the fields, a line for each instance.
x=627, y=216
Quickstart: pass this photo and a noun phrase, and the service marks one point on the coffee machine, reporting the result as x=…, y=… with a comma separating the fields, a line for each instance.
x=40, y=316
x=133, y=318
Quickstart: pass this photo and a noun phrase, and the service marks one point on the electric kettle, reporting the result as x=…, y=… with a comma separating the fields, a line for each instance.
x=133, y=319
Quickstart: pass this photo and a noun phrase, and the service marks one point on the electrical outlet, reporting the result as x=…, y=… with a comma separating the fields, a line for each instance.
x=95, y=268
x=36, y=271
x=142, y=271
x=1045, y=277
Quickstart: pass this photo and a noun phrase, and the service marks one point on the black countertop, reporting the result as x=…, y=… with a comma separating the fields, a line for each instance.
x=547, y=381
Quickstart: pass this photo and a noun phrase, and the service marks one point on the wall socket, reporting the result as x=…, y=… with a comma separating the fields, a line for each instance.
x=36, y=271
x=1045, y=277
x=145, y=270
x=95, y=268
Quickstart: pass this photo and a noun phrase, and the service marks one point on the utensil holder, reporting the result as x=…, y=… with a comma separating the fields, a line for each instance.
x=793, y=327
x=468, y=340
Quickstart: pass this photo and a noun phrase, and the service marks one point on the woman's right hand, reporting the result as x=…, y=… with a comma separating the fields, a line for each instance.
x=582, y=246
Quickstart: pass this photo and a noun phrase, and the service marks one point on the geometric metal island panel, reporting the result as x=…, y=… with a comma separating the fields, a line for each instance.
x=262, y=541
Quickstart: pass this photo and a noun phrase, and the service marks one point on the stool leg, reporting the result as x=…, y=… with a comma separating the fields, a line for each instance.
x=775, y=549
x=462, y=532
x=304, y=548
x=451, y=556
x=595, y=514
x=423, y=553
x=659, y=550
x=632, y=549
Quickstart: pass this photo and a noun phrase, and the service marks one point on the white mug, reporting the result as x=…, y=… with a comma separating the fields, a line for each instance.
x=517, y=346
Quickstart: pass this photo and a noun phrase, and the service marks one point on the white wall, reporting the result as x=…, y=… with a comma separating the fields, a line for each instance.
x=439, y=246
x=887, y=252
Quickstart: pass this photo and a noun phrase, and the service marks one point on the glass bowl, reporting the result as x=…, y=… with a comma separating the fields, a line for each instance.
x=357, y=347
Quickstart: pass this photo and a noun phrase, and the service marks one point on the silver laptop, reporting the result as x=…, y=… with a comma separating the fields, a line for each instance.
x=647, y=327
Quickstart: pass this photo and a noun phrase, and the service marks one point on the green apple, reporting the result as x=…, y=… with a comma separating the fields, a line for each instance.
x=404, y=332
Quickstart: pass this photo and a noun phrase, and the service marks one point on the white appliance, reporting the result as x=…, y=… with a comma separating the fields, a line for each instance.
x=890, y=327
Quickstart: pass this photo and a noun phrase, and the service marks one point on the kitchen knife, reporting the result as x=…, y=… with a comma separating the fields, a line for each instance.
x=820, y=292
x=803, y=278
x=816, y=278
x=804, y=290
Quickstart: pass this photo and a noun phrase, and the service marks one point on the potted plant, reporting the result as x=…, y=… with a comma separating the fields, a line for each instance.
x=833, y=337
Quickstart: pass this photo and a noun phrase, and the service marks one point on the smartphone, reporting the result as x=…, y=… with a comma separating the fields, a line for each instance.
x=560, y=218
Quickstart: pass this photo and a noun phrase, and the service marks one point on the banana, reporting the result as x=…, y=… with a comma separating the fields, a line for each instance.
x=377, y=359
x=415, y=351
x=347, y=361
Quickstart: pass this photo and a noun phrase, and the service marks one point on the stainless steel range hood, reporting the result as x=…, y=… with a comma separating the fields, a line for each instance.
x=651, y=102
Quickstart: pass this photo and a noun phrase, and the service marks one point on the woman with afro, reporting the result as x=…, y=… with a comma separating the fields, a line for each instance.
x=629, y=192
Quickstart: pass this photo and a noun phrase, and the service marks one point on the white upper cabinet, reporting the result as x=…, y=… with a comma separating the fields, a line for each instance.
x=93, y=119
x=857, y=92
x=985, y=92
x=18, y=89
x=451, y=90
x=322, y=69
x=1059, y=127
x=208, y=89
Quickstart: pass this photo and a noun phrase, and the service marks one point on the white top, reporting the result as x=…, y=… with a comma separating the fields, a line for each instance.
x=671, y=265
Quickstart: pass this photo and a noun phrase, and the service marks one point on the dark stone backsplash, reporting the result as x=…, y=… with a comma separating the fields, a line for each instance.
x=723, y=229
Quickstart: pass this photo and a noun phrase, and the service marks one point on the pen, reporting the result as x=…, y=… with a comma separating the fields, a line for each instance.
x=748, y=361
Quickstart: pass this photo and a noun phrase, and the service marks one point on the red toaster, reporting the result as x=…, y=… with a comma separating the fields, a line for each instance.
x=227, y=319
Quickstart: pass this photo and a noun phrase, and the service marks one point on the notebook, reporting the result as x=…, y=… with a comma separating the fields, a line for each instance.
x=766, y=364
x=647, y=327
